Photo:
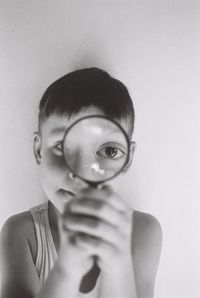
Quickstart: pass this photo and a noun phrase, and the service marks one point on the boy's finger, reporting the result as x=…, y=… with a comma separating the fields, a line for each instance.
x=96, y=208
x=105, y=194
x=94, y=228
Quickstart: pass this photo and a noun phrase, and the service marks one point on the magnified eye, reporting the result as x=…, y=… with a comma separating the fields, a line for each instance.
x=110, y=152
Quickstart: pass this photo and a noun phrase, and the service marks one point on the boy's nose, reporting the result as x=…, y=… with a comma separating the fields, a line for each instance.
x=80, y=162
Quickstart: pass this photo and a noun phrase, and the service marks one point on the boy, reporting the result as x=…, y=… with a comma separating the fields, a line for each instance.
x=49, y=251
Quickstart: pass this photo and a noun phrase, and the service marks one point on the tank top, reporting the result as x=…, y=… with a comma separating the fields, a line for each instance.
x=46, y=251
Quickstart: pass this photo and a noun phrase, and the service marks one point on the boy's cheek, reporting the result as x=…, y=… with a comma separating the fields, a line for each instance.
x=53, y=166
x=53, y=161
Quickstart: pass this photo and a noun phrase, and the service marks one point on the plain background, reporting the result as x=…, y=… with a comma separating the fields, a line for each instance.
x=153, y=47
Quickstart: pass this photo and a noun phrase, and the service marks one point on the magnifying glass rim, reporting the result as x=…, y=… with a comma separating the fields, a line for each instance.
x=108, y=119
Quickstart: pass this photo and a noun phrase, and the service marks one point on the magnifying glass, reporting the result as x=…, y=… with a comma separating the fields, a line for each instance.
x=95, y=149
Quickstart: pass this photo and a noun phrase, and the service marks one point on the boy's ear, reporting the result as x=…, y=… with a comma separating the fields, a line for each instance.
x=131, y=152
x=37, y=144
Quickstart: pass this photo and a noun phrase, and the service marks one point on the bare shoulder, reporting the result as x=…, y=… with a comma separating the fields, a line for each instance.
x=146, y=250
x=17, y=252
x=22, y=220
x=19, y=228
x=145, y=224
x=147, y=234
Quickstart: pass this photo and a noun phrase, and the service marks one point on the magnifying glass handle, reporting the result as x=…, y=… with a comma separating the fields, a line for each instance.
x=96, y=267
x=98, y=185
x=94, y=184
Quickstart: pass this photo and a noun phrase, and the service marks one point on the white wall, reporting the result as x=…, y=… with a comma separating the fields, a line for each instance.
x=153, y=46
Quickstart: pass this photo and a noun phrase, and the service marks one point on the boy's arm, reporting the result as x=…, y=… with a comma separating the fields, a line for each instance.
x=147, y=243
x=138, y=274
x=18, y=273
x=19, y=277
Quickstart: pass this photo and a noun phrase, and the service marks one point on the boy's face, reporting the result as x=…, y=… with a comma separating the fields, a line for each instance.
x=55, y=177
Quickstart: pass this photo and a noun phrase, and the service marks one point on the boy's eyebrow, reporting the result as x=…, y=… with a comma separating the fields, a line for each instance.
x=57, y=130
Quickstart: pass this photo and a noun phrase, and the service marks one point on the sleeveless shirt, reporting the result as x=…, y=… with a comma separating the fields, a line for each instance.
x=46, y=251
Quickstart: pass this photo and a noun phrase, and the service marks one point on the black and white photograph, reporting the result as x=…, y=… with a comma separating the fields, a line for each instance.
x=100, y=149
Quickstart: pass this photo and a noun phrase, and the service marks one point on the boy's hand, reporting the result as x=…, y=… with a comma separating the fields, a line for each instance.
x=102, y=224
x=74, y=261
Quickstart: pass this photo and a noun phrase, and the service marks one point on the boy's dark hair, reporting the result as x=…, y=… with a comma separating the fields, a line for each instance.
x=84, y=88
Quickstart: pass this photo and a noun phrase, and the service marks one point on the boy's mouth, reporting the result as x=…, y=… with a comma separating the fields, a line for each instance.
x=70, y=193
x=64, y=192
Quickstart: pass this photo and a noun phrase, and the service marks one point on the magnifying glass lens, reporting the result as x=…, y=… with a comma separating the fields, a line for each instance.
x=95, y=149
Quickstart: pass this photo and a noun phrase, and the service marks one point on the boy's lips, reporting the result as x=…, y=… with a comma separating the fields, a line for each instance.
x=69, y=192
x=63, y=191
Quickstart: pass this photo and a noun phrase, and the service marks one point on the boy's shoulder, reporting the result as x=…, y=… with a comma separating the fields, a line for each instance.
x=145, y=220
x=20, y=223
x=146, y=249
x=146, y=240
x=19, y=229
x=146, y=227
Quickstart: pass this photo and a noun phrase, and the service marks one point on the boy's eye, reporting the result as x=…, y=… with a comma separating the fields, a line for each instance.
x=59, y=146
x=110, y=152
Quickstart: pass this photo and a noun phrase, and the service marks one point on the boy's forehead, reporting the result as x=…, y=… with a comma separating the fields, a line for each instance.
x=56, y=125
